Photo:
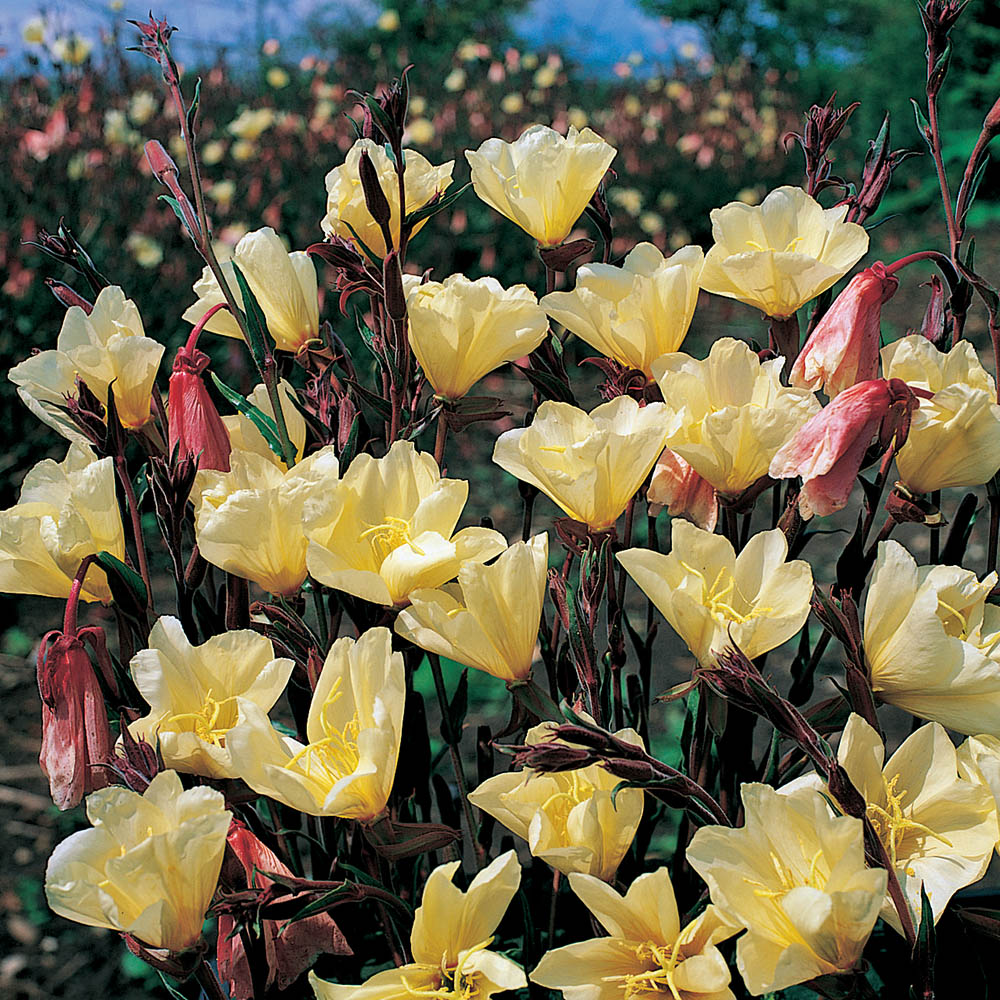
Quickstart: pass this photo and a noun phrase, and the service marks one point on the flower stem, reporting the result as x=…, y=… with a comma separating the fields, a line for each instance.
x=73, y=601
x=136, y=518
x=440, y=439
x=209, y=982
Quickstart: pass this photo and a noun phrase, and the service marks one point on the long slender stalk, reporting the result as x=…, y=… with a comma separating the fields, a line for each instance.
x=73, y=601
x=136, y=519
x=209, y=982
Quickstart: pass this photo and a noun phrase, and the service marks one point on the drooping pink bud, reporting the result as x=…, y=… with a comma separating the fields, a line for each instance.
x=196, y=429
x=76, y=739
x=843, y=349
x=676, y=486
x=289, y=951
x=828, y=449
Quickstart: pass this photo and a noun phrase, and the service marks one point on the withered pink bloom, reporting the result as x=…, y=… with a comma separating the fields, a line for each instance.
x=676, y=486
x=828, y=449
x=75, y=734
x=195, y=425
x=290, y=948
x=843, y=349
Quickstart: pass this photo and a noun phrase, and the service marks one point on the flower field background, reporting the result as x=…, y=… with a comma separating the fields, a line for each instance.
x=707, y=129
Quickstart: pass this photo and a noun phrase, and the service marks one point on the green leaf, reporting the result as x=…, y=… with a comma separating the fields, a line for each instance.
x=264, y=423
x=376, y=402
x=974, y=187
x=256, y=323
x=192, y=114
x=175, y=205
x=418, y=215
x=127, y=589
x=374, y=257
x=383, y=121
x=923, y=126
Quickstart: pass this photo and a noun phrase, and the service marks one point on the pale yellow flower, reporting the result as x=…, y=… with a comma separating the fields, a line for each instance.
x=647, y=954
x=283, y=283
x=794, y=875
x=420, y=131
x=460, y=330
x=938, y=828
x=778, y=255
x=388, y=20
x=251, y=123
x=354, y=727
x=450, y=940
x=954, y=437
x=244, y=434
x=636, y=312
x=979, y=760
x=107, y=346
x=489, y=619
x=713, y=598
x=729, y=414
x=932, y=642
x=33, y=31
x=277, y=77
x=141, y=107
x=192, y=692
x=388, y=528
x=72, y=49
x=590, y=464
x=567, y=817
x=249, y=521
x=67, y=511
x=148, y=867
x=345, y=204
x=543, y=181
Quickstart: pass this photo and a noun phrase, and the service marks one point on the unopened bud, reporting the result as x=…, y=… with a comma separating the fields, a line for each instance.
x=375, y=199
x=392, y=282
x=160, y=161
x=561, y=257
x=195, y=427
x=67, y=296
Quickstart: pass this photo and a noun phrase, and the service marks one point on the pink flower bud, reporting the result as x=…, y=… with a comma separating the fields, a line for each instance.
x=843, y=349
x=676, y=486
x=75, y=734
x=196, y=429
x=828, y=449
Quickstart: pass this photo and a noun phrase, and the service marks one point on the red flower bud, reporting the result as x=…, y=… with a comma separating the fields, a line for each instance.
x=196, y=429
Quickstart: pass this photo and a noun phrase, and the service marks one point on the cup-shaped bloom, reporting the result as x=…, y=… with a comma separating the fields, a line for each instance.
x=590, y=464
x=713, y=598
x=954, y=437
x=248, y=521
x=567, y=817
x=827, y=451
x=794, y=875
x=283, y=283
x=938, y=827
x=452, y=932
x=843, y=349
x=979, y=760
x=148, y=867
x=109, y=345
x=354, y=726
x=543, y=181
x=192, y=692
x=729, y=414
x=460, y=330
x=489, y=619
x=676, y=486
x=778, y=255
x=67, y=511
x=647, y=953
x=347, y=213
x=388, y=528
x=636, y=312
x=932, y=642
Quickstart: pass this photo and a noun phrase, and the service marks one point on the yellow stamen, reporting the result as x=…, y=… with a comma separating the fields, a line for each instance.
x=892, y=824
x=335, y=755
x=210, y=724
x=716, y=597
x=388, y=536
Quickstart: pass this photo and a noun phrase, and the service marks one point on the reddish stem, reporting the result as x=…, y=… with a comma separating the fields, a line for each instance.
x=73, y=601
x=192, y=341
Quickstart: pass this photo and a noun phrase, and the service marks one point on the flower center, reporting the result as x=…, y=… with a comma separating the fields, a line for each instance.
x=336, y=755
x=388, y=536
x=561, y=803
x=658, y=978
x=719, y=597
x=892, y=824
x=210, y=723
x=451, y=982
x=790, y=248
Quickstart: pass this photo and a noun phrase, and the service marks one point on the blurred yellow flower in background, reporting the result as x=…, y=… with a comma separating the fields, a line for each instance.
x=33, y=31
x=192, y=692
x=489, y=619
x=354, y=728
x=778, y=255
x=251, y=123
x=388, y=20
x=543, y=181
x=148, y=867
x=460, y=330
x=589, y=464
x=72, y=49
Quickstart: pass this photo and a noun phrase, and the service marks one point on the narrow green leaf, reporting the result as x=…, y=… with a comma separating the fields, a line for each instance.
x=923, y=126
x=175, y=205
x=127, y=589
x=256, y=323
x=193, y=107
x=418, y=215
x=264, y=423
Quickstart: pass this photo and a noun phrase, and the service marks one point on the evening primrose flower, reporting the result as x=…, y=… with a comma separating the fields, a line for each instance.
x=543, y=181
x=794, y=875
x=567, y=817
x=192, y=692
x=932, y=642
x=647, y=955
x=67, y=511
x=489, y=619
x=938, y=828
x=460, y=330
x=714, y=598
x=590, y=464
x=676, y=486
x=283, y=283
x=450, y=940
x=347, y=213
x=954, y=437
x=729, y=414
x=388, y=528
x=149, y=866
x=248, y=521
x=636, y=312
x=354, y=727
x=251, y=123
x=109, y=345
x=72, y=49
x=778, y=255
